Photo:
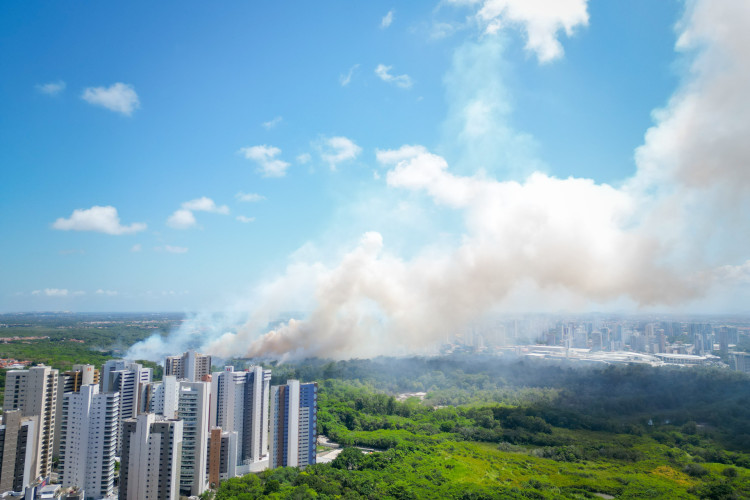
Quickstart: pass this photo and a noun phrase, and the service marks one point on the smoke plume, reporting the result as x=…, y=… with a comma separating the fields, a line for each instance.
x=670, y=234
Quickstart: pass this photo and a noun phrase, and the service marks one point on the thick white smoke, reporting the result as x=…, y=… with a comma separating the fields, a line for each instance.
x=663, y=237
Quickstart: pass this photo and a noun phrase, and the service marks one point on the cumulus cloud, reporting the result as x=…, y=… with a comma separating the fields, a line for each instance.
x=52, y=88
x=244, y=219
x=118, y=97
x=184, y=218
x=136, y=248
x=204, y=204
x=249, y=197
x=99, y=219
x=266, y=158
x=540, y=20
x=344, y=80
x=108, y=293
x=336, y=150
x=387, y=20
x=272, y=123
x=384, y=73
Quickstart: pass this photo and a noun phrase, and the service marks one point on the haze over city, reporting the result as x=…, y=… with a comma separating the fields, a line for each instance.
x=374, y=173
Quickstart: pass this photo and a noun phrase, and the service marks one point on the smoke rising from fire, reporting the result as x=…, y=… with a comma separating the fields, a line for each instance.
x=664, y=237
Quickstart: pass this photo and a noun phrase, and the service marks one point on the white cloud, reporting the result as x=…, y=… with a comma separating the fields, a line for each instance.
x=244, y=219
x=383, y=72
x=393, y=156
x=98, y=219
x=335, y=150
x=108, y=293
x=266, y=158
x=344, y=80
x=204, y=204
x=56, y=292
x=304, y=158
x=387, y=20
x=249, y=197
x=136, y=248
x=52, y=88
x=182, y=219
x=541, y=21
x=272, y=123
x=118, y=97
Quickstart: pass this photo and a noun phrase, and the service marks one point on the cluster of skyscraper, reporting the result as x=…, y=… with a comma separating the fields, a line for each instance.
x=636, y=335
x=175, y=437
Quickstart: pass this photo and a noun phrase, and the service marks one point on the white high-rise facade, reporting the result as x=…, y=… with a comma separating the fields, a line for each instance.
x=192, y=410
x=88, y=440
x=151, y=458
x=17, y=438
x=294, y=420
x=34, y=392
x=191, y=366
x=128, y=379
x=239, y=403
x=71, y=381
x=164, y=397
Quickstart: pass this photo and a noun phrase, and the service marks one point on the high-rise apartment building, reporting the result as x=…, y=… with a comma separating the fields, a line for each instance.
x=222, y=456
x=162, y=397
x=88, y=440
x=151, y=457
x=71, y=381
x=294, y=420
x=239, y=403
x=192, y=409
x=128, y=379
x=191, y=366
x=17, y=437
x=34, y=392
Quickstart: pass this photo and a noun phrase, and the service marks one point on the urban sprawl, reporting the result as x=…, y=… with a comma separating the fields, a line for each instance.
x=64, y=435
x=173, y=438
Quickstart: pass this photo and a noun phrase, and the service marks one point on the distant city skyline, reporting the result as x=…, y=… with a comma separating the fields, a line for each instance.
x=375, y=165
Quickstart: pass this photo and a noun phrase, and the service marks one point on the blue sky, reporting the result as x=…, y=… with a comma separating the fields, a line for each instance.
x=158, y=108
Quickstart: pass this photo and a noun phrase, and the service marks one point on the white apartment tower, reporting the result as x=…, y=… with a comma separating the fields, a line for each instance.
x=294, y=420
x=192, y=409
x=151, y=456
x=163, y=397
x=128, y=379
x=240, y=403
x=191, y=366
x=17, y=437
x=88, y=440
x=34, y=392
x=71, y=381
